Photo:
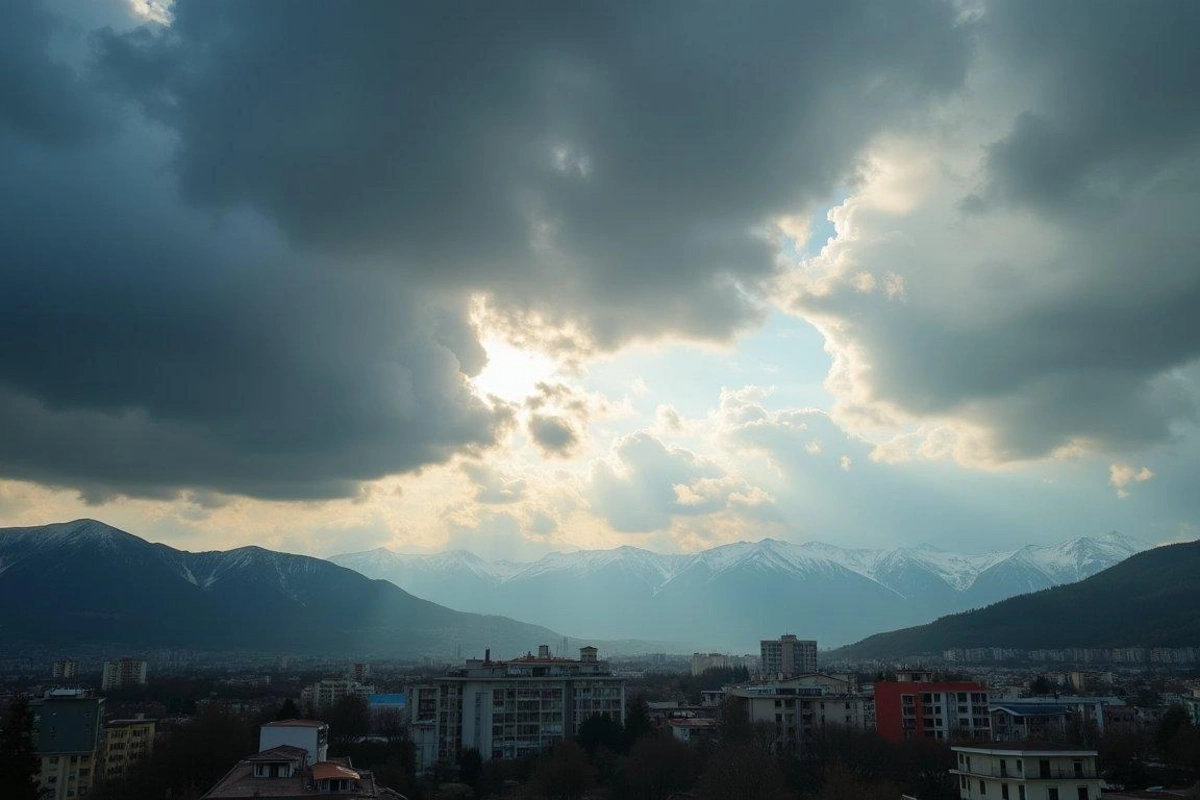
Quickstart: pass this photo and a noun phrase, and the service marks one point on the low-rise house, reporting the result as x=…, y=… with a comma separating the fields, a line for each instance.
x=284, y=768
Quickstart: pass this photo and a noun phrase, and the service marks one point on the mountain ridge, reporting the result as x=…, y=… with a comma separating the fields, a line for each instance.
x=85, y=582
x=1147, y=600
x=649, y=591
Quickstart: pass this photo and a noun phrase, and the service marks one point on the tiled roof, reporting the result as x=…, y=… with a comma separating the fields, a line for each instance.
x=283, y=752
x=329, y=770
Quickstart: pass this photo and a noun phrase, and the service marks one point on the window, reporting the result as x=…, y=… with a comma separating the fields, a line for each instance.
x=1044, y=770
x=1083, y=793
x=1078, y=768
x=1020, y=793
x=1003, y=767
x=962, y=781
x=1019, y=768
x=1052, y=793
x=982, y=788
x=1004, y=791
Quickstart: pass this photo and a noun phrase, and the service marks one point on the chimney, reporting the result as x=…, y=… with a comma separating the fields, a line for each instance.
x=543, y=651
x=487, y=656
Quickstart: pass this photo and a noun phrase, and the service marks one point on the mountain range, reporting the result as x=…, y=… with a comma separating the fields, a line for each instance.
x=86, y=583
x=731, y=596
x=1148, y=600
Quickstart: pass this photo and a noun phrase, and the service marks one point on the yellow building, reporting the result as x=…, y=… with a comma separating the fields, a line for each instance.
x=126, y=743
x=67, y=732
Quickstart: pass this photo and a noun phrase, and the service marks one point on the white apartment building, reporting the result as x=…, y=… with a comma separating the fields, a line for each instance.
x=125, y=672
x=801, y=706
x=1026, y=771
x=65, y=668
x=788, y=656
x=508, y=709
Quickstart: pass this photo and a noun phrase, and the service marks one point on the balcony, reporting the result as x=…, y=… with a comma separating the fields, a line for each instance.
x=1054, y=773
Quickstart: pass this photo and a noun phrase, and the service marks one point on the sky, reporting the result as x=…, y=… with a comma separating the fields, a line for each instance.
x=325, y=277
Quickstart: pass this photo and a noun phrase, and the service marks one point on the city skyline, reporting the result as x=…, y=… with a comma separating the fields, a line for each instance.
x=531, y=282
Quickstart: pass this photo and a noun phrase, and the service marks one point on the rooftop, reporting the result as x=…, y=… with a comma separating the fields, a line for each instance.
x=1025, y=747
x=284, y=752
x=330, y=770
x=240, y=782
x=1031, y=709
x=294, y=723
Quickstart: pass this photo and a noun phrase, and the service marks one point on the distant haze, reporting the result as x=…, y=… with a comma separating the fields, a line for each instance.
x=729, y=597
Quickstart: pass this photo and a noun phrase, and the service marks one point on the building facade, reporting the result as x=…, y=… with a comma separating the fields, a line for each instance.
x=125, y=743
x=324, y=695
x=1026, y=771
x=800, y=707
x=125, y=672
x=509, y=709
x=914, y=707
x=65, y=669
x=788, y=656
x=310, y=735
x=67, y=734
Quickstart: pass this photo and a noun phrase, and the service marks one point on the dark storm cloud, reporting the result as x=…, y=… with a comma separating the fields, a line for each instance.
x=146, y=351
x=611, y=164
x=258, y=282
x=1115, y=99
x=39, y=97
x=1060, y=311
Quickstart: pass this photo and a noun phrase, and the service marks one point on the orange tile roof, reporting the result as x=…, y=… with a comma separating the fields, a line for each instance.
x=328, y=770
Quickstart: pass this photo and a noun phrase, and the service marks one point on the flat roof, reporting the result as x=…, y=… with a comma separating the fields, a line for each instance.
x=1031, y=709
x=294, y=723
x=1025, y=747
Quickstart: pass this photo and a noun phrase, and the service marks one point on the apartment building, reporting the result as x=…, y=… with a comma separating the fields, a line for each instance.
x=802, y=706
x=65, y=669
x=67, y=726
x=121, y=673
x=788, y=656
x=1026, y=771
x=124, y=744
x=701, y=662
x=325, y=694
x=915, y=706
x=509, y=709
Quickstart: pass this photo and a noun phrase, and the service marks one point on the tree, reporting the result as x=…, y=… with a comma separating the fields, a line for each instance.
x=389, y=723
x=637, y=722
x=842, y=784
x=742, y=771
x=733, y=722
x=658, y=766
x=1040, y=686
x=600, y=730
x=564, y=774
x=19, y=763
x=470, y=766
x=289, y=710
x=349, y=720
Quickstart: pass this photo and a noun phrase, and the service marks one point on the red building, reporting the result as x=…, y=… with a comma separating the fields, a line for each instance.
x=913, y=707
